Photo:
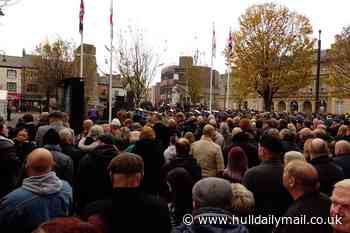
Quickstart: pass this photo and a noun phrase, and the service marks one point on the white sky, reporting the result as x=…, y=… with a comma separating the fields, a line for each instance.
x=171, y=26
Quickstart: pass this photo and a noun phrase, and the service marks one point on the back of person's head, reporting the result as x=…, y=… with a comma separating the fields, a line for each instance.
x=237, y=163
x=305, y=134
x=56, y=116
x=180, y=186
x=282, y=124
x=183, y=147
x=126, y=170
x=67, y=225
x=87, y=124
x=51, y=137
x=318, y=148
x=39, y=162
x=44, y=117
x=134, y=136
x=213, y=123
x=212, y=192
x=244, y=124
x=271, y=147
x=342, y=131
x=319, y=133
x=106, y=139
x=190, y=137
x=288, y=135
x=342, y=147
x=147, y=133
x=243, y=201
x=293, y=155
x=209, y=131
x=28, y=118
x=66, y=136
x=96, y=131
x=300, y=176
x=273, y=132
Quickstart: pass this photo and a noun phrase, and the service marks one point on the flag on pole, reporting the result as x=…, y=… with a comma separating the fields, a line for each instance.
x=81, y=16
x=111, y=19
x=214, y=43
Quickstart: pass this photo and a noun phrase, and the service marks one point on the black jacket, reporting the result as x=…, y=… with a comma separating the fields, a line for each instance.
x=74, y=153
x=130, y=210
x=265, y=182
x=344, y=162
x=151, y=153
x=188, y=163
x=310, y=205
x=23, y=149
x=329, y=173
x=9, y=166
x=93, y=182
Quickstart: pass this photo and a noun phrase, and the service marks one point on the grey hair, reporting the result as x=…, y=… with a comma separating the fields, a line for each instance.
x=66, y=133
x=293, y=155
x=243, y=201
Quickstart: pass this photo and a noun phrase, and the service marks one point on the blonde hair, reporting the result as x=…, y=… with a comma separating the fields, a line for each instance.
x=342, y=131
x=243, y=201
x=147, y=133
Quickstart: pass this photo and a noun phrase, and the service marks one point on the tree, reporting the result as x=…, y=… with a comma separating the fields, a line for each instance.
x=137, y=64
x=273, y=51
x=240, y=90
x=54, y=62
x=339, y=57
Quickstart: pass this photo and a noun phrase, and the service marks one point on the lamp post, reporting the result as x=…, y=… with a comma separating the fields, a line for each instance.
x=317, y=100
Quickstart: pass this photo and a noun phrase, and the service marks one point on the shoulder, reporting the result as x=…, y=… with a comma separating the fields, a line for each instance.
x=15, y=199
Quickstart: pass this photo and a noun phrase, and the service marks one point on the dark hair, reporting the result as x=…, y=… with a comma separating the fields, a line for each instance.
x=28, y=118
x=126, y=163
x=106, y=139
x=183, y=146
x=273, y=144
x=51, y=137
x=57, y=114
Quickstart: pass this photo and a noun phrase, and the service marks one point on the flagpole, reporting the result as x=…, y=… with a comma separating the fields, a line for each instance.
x=81, y=29
x=228, y=86
x=81, y=55
x=110, y=65
x=211, y=70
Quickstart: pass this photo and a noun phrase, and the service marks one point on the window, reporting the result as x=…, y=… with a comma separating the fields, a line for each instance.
x=12, y=74
x=32, y=88
x=12, y=86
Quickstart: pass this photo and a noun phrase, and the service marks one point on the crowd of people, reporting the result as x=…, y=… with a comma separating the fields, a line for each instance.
x=143, y=173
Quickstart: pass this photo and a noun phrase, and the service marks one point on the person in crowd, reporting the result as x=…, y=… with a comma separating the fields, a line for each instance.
x=170, y=152
x=56, y=120
x=89, y=143
x=342, y=156
x=208, y=154
x=303, y=135
x=134, y=136
x=190, y=137
x=151, y=152
x=68, y=148
x=180, y=184
x=64, y=166
x=67, y=225
x=29, y=125
x=237, y=165
x=288, y=138
x=43, y=119
x=218, y=138
x=93, y=183
x=212, y=196
x=122, y=142
x=87, y=125
x=128, y=123
x=291, y=156
x=42, y=196
x=301, y=180
x=329, y=172
x=22, y=143
x=128, y=201
x=9, y=162
x=115, y=126
x=265, y=181
x=340, y=207
x=342, y=133
x=182, y=159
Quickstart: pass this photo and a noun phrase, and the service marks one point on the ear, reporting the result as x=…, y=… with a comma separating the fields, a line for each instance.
x=291, y=181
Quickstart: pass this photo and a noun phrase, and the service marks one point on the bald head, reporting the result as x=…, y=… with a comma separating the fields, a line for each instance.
x=208, y=131
x=318, y=148
x=39, y=162
x=300, y=177
x=342, y=147
x=182, y=146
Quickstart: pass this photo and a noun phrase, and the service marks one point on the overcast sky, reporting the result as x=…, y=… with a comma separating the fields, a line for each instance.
x=172, y=28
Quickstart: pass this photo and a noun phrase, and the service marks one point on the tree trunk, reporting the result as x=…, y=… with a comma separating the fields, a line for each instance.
x=267, y=103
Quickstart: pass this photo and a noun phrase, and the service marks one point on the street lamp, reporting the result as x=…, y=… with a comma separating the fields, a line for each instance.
x=317, y=100
x=1, y=13
x=3, y=55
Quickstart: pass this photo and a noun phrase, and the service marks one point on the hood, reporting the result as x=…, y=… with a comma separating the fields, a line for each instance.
x=104, y=151
x=43, y=185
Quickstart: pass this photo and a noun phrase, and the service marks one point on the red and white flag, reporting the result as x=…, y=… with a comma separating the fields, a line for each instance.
x=230, y=44
x=111, y=19
x=81, y=16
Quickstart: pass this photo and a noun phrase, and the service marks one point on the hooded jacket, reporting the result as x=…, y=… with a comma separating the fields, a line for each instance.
x=93, y=181
x=39, y=199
